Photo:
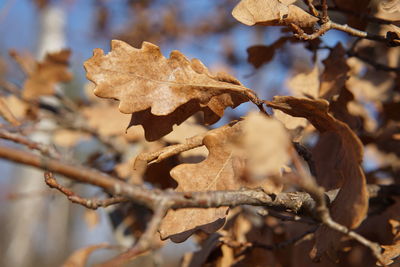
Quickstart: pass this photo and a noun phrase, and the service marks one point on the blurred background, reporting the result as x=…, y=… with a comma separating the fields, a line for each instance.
x=40, y=227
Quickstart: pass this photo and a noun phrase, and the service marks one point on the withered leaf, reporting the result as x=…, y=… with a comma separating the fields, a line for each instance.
x=220, y=171
x=258, y=55
x=392, y=251
x=105, y=118
x=43, y=76
x=224, y=169
x=149, y=86
x=7, y=114
x=337, y=165
x=80, y=257
x=356, y=7
x=272, y=12
x=335, y=73
x=305, y=84
x=265, y=143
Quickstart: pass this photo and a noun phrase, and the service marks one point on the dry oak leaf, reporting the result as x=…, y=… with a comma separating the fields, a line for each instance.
x=6, y=113
x=338, y=160
x=105, y=118
x=156, y=89
x=272, y=12
x=392, y=251
x=221, y=170
x=45, y=75
x=266, y=144
x=335, y=73
x=258, y=55
x=18, y=108
x=305, y=84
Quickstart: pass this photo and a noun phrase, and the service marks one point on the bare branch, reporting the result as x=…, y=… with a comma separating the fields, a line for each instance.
x=20, y=139
x=297, y=202
x=322, y=210
x=88, y=203
x=169, y=151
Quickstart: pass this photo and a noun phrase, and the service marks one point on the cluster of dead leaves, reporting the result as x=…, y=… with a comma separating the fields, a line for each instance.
x=251, y=152
x=162, y=99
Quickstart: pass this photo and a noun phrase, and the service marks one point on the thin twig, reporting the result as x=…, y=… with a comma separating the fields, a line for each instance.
x=329, y=25
x=312, y=8
x=297, y=202
x=322, y=210
x=325, y=17
x=46, y=150
x=74, y=198
x=169, y=151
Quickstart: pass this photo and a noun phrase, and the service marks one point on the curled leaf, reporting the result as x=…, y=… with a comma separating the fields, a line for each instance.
x=147, y=83
x=337, y=155
x=272, y=12
x=392, y=251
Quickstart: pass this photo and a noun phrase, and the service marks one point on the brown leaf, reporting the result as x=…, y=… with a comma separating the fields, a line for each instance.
x=305, y=84
x=68, y=138
x=224, y=169
x=335, y=73
x=80, y=257
x=390, y=6
x=105, y=118
x=337, y=157
x=355, y=7
x=6, y=113
x=45, y=75
x=392, y=251
x=149, y=86
x=187, y=129
x=266, y=144
x=17, y=107
x=258, y=55
x=272, y=12
x=92, y=218
x=25, y=61
x=220, y=171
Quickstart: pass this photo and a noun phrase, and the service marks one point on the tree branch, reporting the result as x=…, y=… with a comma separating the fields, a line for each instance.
x=74, y=198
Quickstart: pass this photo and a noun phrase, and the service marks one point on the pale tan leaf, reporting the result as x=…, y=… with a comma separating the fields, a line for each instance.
x=68, y=138
x=266, y=144
x=220, y=171
x=18, y=108
x=305, y=84
x=45, y=75
x=337, y=155
x=271, y=12
x=187, y=129
x=92, y=218
x=390, y=6
x=153, y=88
x=6, y=113
x=106, y=119
x=80, y=257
